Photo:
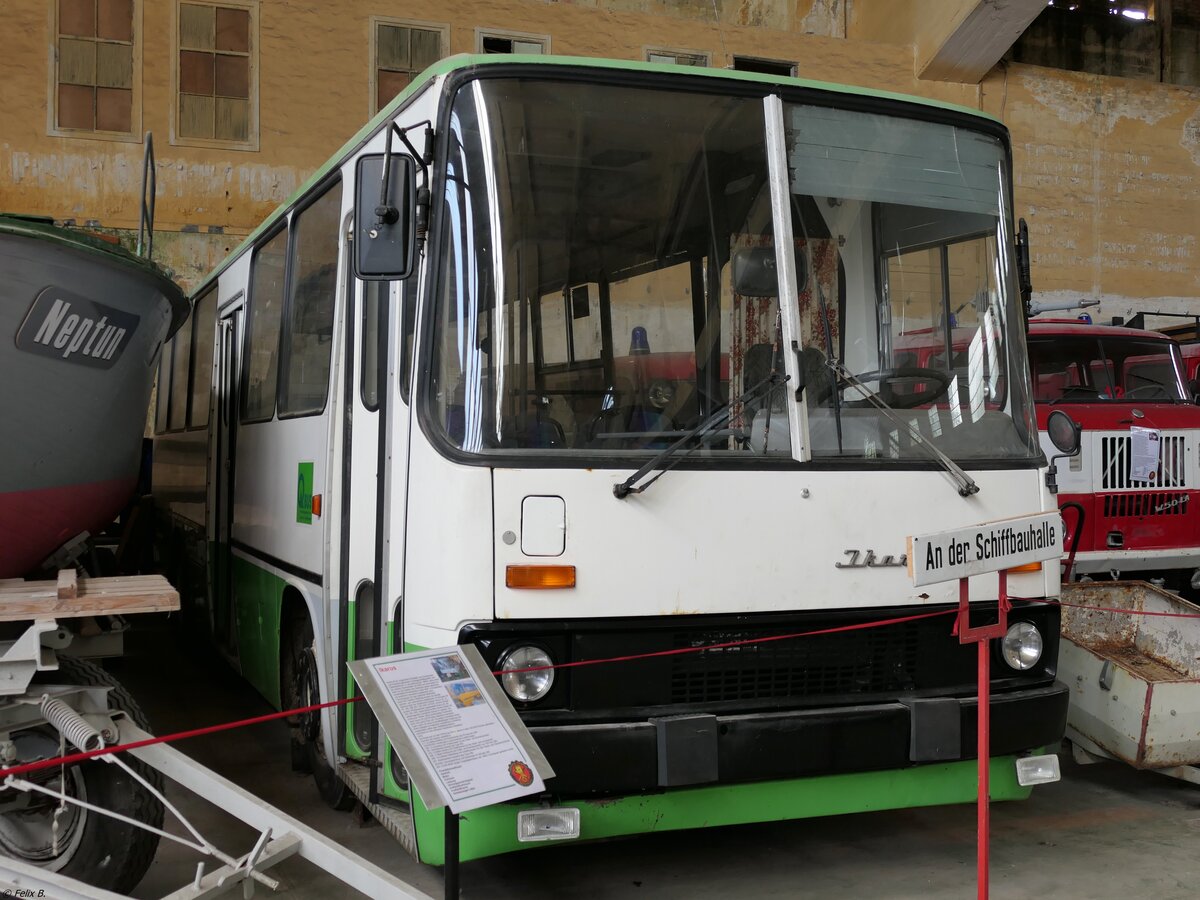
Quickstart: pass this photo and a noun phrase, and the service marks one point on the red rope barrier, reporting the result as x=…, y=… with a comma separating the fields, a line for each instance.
x=213, y=729
x=72, y=758
x=166, y=738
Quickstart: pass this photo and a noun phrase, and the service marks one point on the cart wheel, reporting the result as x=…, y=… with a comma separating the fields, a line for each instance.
x=308, y=744
x=100, y=850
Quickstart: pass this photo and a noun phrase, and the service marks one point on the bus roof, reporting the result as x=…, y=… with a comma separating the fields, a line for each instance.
x=466, y=61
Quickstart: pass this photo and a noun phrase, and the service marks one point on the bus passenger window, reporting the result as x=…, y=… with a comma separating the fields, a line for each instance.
x=261, y=354
x=205, y=315
x=310, y=310
x=177, y=412
x=162, y=389
x=408, y=325
x=372, y=291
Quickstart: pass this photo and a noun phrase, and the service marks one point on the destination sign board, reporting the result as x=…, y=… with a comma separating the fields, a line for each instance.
x=987, y=547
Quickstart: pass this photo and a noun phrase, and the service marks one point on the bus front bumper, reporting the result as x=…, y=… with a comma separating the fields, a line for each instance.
x=623, y=757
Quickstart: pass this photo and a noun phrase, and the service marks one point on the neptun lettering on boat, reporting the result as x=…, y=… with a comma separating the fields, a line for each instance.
x=72, y=333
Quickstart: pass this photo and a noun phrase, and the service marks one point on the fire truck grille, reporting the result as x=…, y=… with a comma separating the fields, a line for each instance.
x=1116, y=455
x=1117, y=506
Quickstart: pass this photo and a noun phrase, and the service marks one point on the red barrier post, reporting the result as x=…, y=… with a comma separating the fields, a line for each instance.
x=982, y=636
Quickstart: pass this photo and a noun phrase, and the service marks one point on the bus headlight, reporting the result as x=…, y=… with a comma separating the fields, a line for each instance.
x=1022, y=646
x=522, y=685
x=660, y=394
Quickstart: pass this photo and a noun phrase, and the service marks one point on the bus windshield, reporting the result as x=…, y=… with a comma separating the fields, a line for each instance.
x=1105, y=369
x=606, y=280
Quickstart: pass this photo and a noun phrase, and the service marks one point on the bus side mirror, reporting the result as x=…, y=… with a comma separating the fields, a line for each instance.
x=384, y=218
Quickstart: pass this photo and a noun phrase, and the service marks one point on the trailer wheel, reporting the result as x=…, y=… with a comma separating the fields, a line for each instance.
x=308, y=747
x=100, y=850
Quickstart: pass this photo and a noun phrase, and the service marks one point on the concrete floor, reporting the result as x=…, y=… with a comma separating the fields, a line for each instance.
x=1105, y=831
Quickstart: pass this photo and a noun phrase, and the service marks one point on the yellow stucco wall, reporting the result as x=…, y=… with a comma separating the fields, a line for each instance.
x=1106, y=168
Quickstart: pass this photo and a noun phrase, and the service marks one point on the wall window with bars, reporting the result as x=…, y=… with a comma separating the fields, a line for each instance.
x=402, y=50
x=216, y=74
x=96, y=54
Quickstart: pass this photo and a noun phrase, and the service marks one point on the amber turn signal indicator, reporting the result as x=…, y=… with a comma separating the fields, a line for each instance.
x=539, y=577
x=316, y=504
x=1028, y=567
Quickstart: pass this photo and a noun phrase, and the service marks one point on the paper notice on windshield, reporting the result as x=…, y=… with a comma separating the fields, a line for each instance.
x=458, y=736
x=1143, y=453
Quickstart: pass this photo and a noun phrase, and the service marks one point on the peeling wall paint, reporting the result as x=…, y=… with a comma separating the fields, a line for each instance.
x=824, y=17
x=1103, y=102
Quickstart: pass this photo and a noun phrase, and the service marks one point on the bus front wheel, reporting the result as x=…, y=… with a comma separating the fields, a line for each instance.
x=308, y=742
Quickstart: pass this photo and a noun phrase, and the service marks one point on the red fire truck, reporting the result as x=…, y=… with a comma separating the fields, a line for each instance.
x=1131, y=491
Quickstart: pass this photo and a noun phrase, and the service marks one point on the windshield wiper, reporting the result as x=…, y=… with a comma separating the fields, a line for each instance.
x=966, y=484
x=626, y=487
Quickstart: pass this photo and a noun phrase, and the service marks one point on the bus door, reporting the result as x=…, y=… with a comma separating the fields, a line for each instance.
x=229, y=342
x=377, y=348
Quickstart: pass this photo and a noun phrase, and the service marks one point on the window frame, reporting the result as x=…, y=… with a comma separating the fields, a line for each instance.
x=284, y=225
x=162, y=398
x=285, y=325
x=192, y=425
x=676, y=53
x=423, y=401
x=507, y=35
x=764, y=61
x=441, y=28
x=185, y=387
x=134, y=135
x=252, y=130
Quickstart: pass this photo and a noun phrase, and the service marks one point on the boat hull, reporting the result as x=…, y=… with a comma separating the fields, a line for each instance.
x=81, y=328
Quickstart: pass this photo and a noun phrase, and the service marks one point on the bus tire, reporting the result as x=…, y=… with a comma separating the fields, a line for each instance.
x=306, y=691
x=105, y=852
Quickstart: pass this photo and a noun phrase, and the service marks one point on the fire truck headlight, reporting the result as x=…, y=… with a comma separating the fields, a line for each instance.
x=661, y=393
x=520, y=683
x=1022, y=646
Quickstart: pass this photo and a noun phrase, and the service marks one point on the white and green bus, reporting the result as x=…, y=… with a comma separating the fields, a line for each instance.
x=579, y=359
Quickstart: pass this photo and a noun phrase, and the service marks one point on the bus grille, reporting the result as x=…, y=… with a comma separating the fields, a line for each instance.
x=854, y=662
x=1145, y=504
x=1116, y=456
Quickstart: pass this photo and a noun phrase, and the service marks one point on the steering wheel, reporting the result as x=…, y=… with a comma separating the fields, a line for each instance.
x=886, y=377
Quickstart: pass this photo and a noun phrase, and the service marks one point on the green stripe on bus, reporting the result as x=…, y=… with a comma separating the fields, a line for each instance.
x=493, y=830
x=258, y=596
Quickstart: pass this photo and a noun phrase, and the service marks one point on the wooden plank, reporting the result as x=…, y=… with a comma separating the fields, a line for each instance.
x=68, y=584
x=95, y=596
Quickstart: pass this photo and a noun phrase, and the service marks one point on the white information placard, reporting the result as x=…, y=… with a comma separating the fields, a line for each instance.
x=988, y=547
x=1144, y=444
x=456, y=732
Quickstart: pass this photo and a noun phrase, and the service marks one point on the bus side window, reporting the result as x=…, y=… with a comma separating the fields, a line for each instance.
x=408, y=323
x=260, y=356
x=162, y=391
x=177, y=409
x=372, y=290
x=204, y=315
x=313, y=287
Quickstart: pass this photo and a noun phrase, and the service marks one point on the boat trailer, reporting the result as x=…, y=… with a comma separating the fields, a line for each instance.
x=82, y=718
x=1134, y=674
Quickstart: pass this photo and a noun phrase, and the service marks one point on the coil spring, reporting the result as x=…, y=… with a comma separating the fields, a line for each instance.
x=72, y=725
